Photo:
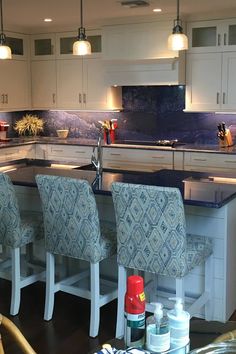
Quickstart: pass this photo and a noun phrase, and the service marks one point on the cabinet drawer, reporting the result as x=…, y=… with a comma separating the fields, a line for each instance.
x=209, y=161
x=70, y=153
x=137, y=159
x=15, y=153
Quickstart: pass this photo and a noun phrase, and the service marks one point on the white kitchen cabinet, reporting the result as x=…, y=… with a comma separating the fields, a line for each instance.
x=137, y=159
x=14, y=85
x=43, y=84
x=18, y=152
x=212, y=36
x=137, y=41
x=81, y=85
x=73, y=153
x=42, y=46
x=211, y=82
x=203, y=161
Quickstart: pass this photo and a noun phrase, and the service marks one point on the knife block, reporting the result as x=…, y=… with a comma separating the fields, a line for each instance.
x=227, y=141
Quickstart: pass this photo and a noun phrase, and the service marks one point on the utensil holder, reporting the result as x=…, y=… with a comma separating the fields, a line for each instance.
x=227, y=141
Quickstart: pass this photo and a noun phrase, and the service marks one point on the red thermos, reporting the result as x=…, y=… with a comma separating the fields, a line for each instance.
x=135, y=312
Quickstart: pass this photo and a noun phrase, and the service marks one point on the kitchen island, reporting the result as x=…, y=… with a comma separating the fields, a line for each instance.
x=207, y=213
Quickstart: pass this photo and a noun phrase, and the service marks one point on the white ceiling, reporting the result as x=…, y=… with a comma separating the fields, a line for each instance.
x=28, y=15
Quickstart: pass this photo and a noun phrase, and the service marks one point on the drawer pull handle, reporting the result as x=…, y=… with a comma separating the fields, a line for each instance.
x=158, y=157
x=80, y=152
x=228, y=161
x=112, y=154
x=57, y=150
x=200, y=159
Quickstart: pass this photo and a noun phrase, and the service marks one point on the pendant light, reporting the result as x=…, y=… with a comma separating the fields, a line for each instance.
x=177, y=40
x=82, y=45
x=5, y=51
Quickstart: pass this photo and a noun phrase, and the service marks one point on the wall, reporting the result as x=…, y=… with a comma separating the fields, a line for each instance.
x=150, y=113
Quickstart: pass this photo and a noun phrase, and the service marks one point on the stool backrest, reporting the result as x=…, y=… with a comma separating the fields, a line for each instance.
x=10, y=224
x=71, y=223
x=151, y=230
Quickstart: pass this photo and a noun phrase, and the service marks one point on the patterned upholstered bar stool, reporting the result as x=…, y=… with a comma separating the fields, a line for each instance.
x=73, y=229
x=16, y=231
x=151, y=237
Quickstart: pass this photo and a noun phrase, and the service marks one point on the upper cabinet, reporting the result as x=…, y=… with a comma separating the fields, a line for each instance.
x=211, y=82
x=81, y=85
x=212, y=36
x=42, y=46
x=19, y=44
x=137, y=41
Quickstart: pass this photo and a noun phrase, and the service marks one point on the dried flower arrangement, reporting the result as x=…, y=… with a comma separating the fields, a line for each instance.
x=29, y=125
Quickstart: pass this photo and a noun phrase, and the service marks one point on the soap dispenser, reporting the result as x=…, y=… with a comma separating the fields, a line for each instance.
x=179, y=327
x=157, y=331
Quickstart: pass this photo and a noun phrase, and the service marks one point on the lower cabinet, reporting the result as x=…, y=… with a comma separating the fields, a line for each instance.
x=137, y=159
x=19, y=152
x=72, y=153
x=203, y=161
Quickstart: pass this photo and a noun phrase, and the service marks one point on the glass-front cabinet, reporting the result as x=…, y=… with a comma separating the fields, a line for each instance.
x=18, y=44
x=42, y=46
x=212, y=36
x=64, y=44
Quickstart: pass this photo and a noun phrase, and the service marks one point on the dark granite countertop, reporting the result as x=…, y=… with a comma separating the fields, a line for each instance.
x=91, y=142
x=23, y=172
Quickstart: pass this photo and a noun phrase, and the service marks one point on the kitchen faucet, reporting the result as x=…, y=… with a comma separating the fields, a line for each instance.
x=97, y=160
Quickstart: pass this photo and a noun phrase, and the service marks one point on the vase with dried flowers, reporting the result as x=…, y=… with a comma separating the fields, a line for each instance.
x=29, y=125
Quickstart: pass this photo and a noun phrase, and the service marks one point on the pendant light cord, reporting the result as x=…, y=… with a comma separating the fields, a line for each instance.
x=1, y=16
x=177, y=11
x=81, y=13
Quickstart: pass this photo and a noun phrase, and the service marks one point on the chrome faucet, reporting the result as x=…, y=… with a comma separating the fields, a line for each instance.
x=96, y=160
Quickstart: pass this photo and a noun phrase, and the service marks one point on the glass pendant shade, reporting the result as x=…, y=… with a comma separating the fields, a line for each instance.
x=82, y=45
x=177, y=41
x=5, y=52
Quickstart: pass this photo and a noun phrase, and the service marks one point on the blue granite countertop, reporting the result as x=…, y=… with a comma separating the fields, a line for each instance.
x=90, y=142
x=24, y=172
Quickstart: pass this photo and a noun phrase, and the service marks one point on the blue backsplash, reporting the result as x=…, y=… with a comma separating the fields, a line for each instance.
x=149, y=113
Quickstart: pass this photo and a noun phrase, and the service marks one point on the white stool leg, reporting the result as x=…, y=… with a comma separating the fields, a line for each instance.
x=122, y=274
x=50, y=286
x=209, y=286
x=15, y=278
x=95, y=299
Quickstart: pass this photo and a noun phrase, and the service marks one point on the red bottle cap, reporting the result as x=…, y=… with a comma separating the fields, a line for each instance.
x=134, y=285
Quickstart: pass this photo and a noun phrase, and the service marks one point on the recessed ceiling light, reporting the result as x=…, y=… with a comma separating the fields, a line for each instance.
x=47, y=20
x=157, y=10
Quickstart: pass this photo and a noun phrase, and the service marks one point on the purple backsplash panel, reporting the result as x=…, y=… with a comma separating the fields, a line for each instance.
x=149, y=113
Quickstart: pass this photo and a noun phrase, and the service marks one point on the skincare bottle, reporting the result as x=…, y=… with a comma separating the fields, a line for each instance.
x=157, y=331
x=179, y=327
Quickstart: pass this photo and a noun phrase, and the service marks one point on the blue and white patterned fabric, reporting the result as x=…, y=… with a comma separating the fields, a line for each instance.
x=151, y=231
x=71, y=221
x=16, y=230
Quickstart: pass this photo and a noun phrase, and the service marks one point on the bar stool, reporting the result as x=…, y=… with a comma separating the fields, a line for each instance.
x=151, y=237
x=72, y=229
x=16, y=231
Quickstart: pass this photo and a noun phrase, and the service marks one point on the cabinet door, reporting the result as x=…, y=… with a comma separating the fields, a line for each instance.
x=14, y=84
x=43, y=77
x=42, y=46
x=204, y=36
x=229, y=34
x=69, y=84
x=78, y=154
x=229, y=81
x=95, y=90
x=203, y=82
x=19, y=44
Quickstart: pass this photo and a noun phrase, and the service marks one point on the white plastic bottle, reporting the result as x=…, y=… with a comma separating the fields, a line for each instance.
x=179, y=327
x=157, y=331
